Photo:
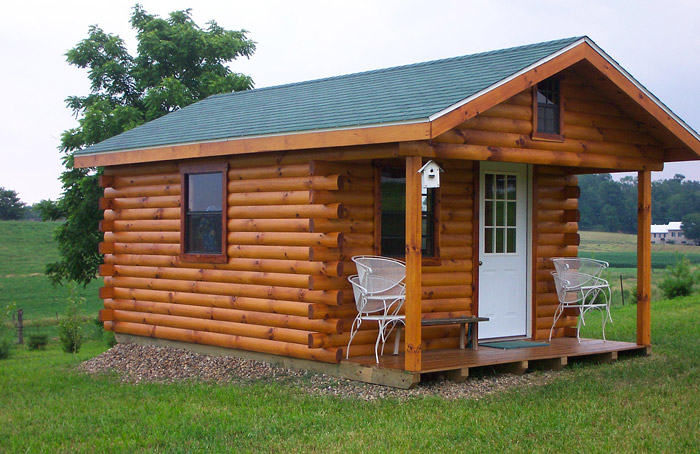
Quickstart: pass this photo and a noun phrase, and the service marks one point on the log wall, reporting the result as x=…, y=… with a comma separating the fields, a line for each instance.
x=596, y=132
x=293, y=225
x=555, y=234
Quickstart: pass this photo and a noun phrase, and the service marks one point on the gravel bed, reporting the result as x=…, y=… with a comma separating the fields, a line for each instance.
x=139, y=363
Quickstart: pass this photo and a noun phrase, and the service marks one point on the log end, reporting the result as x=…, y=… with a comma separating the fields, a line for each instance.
x=106, y=269
x=106, y=315
x=105, y=248
x=106, y=226
x=106, y=292
x=105, y=204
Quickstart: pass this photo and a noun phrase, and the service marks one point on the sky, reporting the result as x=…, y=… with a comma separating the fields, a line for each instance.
x=657, y=42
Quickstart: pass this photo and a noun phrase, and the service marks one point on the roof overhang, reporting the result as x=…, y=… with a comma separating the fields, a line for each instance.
x=419, y=129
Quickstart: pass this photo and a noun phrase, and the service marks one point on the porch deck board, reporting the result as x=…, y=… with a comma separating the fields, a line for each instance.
x=453, y=359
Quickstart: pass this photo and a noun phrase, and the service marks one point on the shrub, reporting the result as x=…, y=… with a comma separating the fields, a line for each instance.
x=5, y=335
x=70, y=327
x=679, y=279
x=37, y=341
x=110, y=339
x=5, y=347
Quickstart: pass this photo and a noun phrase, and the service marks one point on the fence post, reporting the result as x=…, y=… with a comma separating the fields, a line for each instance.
x=622, y=291
x=20, y=326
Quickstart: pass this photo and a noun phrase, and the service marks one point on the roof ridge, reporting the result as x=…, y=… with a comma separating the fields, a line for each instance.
x=394, y=68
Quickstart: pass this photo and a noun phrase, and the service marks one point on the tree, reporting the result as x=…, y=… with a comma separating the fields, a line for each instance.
x=11, y=207
x=177, y=63
x=691, y=227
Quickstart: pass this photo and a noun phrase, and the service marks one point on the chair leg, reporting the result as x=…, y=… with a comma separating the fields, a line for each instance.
x=397, y=340
x=581, y=317
x=380, y=338
x=353, y=330
x=604, y=316
x=557, y=314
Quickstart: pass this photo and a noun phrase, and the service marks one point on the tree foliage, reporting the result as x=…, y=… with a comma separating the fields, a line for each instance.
x=611, y=206
x=177, y=63
x=691, y=227
x=11, y=207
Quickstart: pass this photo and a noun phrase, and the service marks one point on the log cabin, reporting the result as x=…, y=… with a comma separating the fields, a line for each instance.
x=230, y=224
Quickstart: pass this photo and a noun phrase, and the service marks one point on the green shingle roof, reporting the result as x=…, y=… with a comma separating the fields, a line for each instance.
x=392, y=95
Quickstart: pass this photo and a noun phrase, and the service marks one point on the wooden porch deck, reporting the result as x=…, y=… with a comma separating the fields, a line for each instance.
x=456, y=363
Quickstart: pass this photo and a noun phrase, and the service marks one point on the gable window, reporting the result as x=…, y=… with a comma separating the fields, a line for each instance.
x=548, y=110
x=393, y=215
x=203, y=213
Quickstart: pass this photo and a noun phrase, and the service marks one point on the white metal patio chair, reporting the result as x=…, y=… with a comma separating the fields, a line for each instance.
x=387, y=267
x=583, y=292
x=587, y=267
x=379, y=299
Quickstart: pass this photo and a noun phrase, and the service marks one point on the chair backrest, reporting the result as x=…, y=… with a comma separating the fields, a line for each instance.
x=378, y=293
x=562, y=285
x=591, y=267
x=375, y=265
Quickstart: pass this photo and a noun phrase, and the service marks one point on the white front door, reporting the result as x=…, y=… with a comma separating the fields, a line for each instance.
x=503, y=254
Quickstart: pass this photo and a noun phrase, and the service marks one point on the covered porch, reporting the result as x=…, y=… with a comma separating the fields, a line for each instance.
x=417, y=360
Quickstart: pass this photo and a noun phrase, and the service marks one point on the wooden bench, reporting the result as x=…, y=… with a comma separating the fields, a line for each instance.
x=463, y=322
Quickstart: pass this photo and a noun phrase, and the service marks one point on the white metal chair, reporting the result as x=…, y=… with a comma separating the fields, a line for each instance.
x=583, y=292
x=375, y=265
x=379, y=299
x=586, y=267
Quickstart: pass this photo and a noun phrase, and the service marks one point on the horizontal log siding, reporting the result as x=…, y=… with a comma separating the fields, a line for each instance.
x=554, y=192
x=286, y=230
x=593, y=126
x=446, y=281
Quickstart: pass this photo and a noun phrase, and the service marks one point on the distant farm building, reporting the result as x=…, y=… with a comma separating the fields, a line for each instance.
x=670, y=233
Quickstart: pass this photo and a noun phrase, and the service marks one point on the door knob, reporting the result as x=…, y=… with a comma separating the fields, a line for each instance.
x=480, y=263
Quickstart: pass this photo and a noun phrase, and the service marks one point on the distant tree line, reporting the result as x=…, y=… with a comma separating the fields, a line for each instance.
x=12, y=208
x=611, y=206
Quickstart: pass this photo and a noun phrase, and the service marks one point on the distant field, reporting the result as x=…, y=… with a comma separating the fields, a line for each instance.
x=624, y=242
x=620, y=250
x=25, y=249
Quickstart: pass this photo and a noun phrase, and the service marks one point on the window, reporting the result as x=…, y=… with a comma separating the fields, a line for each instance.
x=393, y=215
x=203, y=214
x=547, y=106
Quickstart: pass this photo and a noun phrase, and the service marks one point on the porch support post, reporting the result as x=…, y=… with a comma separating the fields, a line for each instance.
x=413, y=263
x=644, y=257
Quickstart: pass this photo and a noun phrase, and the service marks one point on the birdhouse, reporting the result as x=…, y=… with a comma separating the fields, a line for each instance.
x=430, y=175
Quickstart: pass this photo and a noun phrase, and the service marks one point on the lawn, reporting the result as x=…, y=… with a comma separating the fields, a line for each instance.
x=639, y=404
x=25, y=249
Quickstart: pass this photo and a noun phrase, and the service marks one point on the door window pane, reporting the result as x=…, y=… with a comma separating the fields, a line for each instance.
x=500, y=213
x=488, y=240
x=500, y=240
x=510, y=247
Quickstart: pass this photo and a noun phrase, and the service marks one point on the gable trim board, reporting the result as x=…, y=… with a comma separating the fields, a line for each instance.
x=416, y=129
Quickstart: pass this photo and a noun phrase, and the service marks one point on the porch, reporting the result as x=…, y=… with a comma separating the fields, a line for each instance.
x=456, y=364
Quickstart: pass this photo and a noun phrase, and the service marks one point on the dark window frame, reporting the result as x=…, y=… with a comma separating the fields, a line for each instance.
x=553, y=136
x=185, y=172
x=434, y=193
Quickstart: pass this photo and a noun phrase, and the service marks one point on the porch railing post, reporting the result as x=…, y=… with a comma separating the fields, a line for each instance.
x=644, y=257
x=413, y=263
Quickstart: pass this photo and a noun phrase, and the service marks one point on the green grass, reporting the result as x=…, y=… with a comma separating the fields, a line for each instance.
x=25, y=249
x=642, y=404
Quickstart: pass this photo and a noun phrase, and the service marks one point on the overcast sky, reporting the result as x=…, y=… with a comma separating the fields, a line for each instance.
x=657, y=42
